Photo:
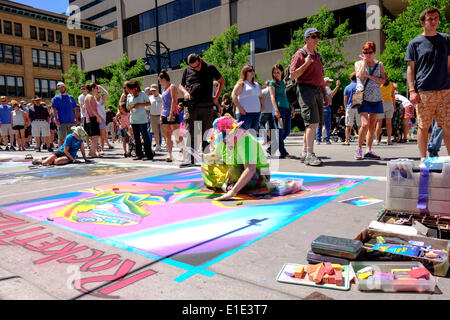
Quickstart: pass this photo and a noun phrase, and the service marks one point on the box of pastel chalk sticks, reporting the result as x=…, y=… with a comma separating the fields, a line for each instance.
x=399, y=276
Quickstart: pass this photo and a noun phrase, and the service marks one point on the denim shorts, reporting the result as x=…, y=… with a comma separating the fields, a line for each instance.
x=371, y=107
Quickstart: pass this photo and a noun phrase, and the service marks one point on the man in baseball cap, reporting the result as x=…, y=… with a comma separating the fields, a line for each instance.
x=306, y=69
x=311, y=31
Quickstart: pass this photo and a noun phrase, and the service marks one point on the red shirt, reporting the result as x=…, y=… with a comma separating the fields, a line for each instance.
x=314, y=73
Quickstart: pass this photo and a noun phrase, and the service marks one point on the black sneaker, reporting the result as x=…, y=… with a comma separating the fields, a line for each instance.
x=371, y=155
x=7, y=148
x=433, y=154
x=138, y=158
x=12, y=148
x=37, y=149
x=50, y=149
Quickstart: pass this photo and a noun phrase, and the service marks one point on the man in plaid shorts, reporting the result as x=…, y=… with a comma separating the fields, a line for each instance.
x=428, y=78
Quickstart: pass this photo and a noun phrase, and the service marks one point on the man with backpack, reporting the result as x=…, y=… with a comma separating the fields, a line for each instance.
x=307, y=69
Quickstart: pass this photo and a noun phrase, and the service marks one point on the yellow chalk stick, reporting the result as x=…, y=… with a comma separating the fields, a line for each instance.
x=364, y=275
x=337, y=267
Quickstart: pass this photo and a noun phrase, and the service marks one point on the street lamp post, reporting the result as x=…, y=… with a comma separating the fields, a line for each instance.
x=151, y=53
x=46, y=45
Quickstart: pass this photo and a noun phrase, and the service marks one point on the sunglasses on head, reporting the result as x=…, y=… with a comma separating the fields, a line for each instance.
x=367, y=52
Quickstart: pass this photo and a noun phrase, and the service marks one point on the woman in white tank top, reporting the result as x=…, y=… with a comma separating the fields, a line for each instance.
x=102, y=111
x=248, y=99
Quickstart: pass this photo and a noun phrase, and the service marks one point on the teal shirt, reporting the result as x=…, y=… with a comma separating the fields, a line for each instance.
x=138, y=115
x=280, y=94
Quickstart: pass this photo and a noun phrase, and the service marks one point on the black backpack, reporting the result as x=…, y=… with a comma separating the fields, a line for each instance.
x=291, y=85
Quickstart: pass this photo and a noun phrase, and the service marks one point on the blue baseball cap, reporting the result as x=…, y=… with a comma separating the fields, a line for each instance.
x=311, y=31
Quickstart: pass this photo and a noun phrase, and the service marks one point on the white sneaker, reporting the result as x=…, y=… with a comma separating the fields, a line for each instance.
x=158, y=148
x=376, y=142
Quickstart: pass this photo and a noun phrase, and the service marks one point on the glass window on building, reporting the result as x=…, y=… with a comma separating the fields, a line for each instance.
x=2, y=86
x=73, y=59
x=146, y=21
x=44, y=89
x=52, y=88
x=35, y=53
x=20, y=87
x=11, y=86
x=280, y=36
x=79, y=41
x=17, y=29
x=175, y=59
x=42, y=36
x=186, y=8
x=59, y=37
x=58, y=60
x=7, y=27
x=202, y=5
x=37, y=87
x=17, y=55
x=51, y=60
x=0, y=28
x=71, y=40
x=356, y=16
x=162, y=15
x=87, y=42
x=33, y=32
x=50, y=35
x=8, y=55
x=131, y=25
x=173, y=11
x=43, y=59
x=261, y=40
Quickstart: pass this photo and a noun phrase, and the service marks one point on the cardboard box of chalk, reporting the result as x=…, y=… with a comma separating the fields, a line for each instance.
x=401, y=282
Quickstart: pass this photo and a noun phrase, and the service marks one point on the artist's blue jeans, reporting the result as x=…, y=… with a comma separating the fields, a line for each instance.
x=435, y=142
x=327, y=122
x=251, y=121
x=285, y=130
x=138, y=131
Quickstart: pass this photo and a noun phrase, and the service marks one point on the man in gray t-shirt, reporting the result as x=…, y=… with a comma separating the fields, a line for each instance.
x=428, y=78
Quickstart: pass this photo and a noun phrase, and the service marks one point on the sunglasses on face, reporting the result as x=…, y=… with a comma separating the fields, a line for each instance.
x=314, y=37
x=367, y=52
x=250, y=70
x=196, y=66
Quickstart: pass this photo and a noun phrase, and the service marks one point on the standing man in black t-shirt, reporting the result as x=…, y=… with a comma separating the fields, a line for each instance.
x=428, y=75
x=197, y=88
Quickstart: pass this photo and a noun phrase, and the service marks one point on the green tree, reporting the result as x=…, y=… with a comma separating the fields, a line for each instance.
x=116, y=73
x=74, y=79
x=330, y=46
x=401, y=30
x=227, y=56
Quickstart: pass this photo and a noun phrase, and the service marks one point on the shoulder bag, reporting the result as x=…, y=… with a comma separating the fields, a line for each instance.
x=358, y=96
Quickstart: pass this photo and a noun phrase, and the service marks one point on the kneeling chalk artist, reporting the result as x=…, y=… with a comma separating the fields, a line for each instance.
x=67, y=153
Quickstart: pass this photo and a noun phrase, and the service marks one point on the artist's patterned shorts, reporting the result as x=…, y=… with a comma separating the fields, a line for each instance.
x=436, y=104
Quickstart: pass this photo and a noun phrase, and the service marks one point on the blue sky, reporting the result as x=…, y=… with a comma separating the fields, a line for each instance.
x=57, y=6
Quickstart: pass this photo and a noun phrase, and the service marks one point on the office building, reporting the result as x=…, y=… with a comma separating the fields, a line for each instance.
x=36, y=46
x=187, y=26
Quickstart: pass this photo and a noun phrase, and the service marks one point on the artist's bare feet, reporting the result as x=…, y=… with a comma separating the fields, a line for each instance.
x=230, y=194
